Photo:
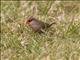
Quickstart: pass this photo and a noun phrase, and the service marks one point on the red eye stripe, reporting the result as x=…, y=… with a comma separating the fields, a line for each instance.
x=28, y=21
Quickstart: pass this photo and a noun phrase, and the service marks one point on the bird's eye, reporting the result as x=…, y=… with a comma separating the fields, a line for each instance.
x=29, y=20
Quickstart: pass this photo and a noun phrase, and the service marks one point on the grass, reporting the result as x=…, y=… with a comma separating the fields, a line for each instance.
x=60, y=42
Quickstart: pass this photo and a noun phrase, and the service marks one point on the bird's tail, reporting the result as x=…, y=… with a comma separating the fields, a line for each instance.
x=52, y=24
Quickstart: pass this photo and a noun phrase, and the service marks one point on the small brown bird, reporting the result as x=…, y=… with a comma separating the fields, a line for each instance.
x=38, y=25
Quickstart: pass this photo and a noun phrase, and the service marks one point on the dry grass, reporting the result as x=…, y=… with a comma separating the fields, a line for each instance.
x=60, y=42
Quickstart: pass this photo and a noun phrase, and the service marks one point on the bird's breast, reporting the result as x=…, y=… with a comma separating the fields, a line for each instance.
x=35, y=25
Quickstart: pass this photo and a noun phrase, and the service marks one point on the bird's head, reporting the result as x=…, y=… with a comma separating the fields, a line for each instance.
x=30, y=20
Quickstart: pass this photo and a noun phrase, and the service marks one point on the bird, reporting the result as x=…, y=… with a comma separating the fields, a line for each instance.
x=37, y=25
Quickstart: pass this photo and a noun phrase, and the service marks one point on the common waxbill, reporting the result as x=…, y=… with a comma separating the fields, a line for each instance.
x=38, y=25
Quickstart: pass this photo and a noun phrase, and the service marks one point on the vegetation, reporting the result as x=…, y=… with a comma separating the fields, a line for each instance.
x=60, y=42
